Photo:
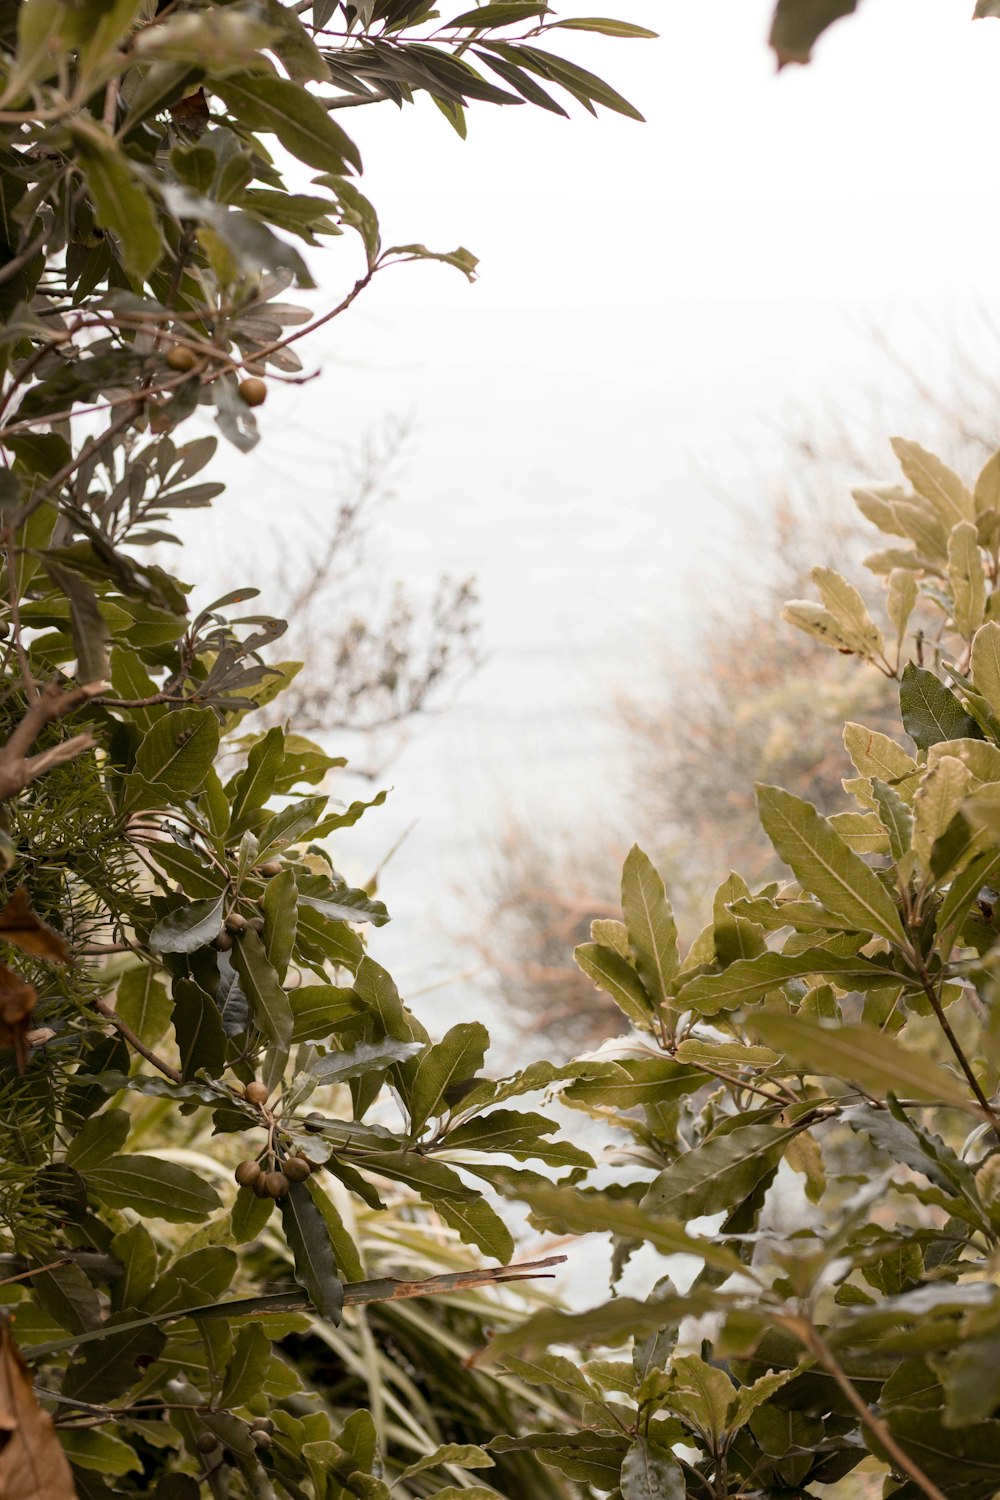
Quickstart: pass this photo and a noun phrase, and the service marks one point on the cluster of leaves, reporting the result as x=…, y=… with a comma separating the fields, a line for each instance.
x=187, y=982
x=815, y=1081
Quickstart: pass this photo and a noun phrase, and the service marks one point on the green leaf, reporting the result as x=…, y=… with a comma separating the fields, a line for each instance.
x=366, y=1057
x=201, y=1040
x=135, y=1249
x=247, y=1367
x=577, y=1212
x=875, y=754
x=861, y=1055
x=617, y=978
x=255, y=784
x=931, y=712
x=499, y=13
x=609, y=1323
x=460, y=1455
x=605, y=26
x=309, y=1242
x=895, y=817
x=269, y=1005
x=378, y=994
x=153, y=1188
x=90, y=632
x=121, y=203
x=280, y=921
x=188, y=868
x=649, y=919
x=747, y=1399
x=109, y=1368
x=294, y=115
x=100, y=1137
x=717, y=1174
x=825, y=867
x=651, y=1473
x=319, y=1010
x=460, y=1206
x=189, y=927
x=177, y=753
x=960, y=896
x=750, y=979
x=459, y=1055
x=89, y=1449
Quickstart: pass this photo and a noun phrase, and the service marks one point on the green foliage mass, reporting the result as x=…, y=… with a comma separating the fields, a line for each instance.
x=804, y=1101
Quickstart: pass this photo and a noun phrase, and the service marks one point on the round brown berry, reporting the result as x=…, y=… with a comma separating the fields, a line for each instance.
x=296, y=1168
x=247, y=1172
x=259, y=1186
x=271, y=867
x=180, y=357
x=260, y=1438
x=314, y=1123
x=255, y=1093
x=276, y=1184
x=262, y=1424
x=207, y=1442
x=253, y=391
x=235, y=923
x=222, y=942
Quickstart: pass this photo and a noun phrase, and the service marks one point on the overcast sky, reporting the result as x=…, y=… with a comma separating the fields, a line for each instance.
x=656, y=302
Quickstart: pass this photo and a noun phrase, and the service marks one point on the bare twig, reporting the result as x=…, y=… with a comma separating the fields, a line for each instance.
x=17, y=766
x=109, y=1013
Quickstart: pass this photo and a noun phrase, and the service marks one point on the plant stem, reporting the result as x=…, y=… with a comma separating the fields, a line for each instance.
x=956, y=1047
x=135, y=1042
x=811, y=1338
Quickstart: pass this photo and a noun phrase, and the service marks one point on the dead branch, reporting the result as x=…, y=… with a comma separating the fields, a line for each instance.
x=18, y=767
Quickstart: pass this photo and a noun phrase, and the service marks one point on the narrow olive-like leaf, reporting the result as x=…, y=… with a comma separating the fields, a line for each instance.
x=849, y=610
x=153, y=1188
x=981, y=871
x=309, y=1242
x=280, y=921
x=967, y=578
x=121, y=203
x=938, y=798
x=269, y=1004
x=617, y=978
x=649, y=919
x=862, y=1055
x=247, y=1366
x=825, y=866
x=366, y=1057
x=719, y=1173
x=609, y=1323
x=256, y=783
x=302, y=125
x=189, y=928
x=201, y=1040
x=459, y=1055
x=930, y=711
x=91, y=636
x=751, y=978
x=460, y=1455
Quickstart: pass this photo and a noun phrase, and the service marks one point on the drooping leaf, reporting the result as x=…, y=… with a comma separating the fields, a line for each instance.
x=269, y=1004
x=154, y=1188
x=309, y=1242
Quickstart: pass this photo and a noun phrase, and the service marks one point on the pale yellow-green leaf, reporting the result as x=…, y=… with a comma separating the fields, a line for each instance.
x=649, y=919
x=806, y=615
x=901, y=600
x=940, y=486
x=610, y=934
x=966, y=577
x=862, y=832
x=849, y=610
x=987, y=490
x=937, y=800
x=986, y=663
x=980, y=757
x=825, y=866
x=875, y=754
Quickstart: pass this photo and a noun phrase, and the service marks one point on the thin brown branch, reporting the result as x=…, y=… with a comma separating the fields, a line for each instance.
x=17, y=766
x=956, y=1047
x=811, y=1339
x=109, y=1013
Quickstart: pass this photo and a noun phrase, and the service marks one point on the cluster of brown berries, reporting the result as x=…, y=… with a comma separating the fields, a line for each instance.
x=275, y=1183
x=183, y=359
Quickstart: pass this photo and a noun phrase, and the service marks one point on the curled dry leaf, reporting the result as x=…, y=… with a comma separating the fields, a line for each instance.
x=33, y=1466
x=17, y=1001
x=21, y=926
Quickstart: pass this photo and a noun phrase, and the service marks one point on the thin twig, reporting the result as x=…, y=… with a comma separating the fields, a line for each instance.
x=17, y=767
x=135, y=1042
x=810, y=1337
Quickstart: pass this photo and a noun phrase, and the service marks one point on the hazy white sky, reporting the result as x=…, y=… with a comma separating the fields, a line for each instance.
x=654, y=302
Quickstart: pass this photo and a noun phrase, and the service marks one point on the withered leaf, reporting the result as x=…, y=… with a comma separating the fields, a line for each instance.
x=21, y=926
x=33, y=1465
x=17, y=1001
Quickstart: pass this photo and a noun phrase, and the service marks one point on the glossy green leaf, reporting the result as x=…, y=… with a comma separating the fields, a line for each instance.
x=188, y=928
x=309, y=1242
x=651, y=1473
x=930, y=711
x=300, y=122
x=269, y=1004
x=153, y=1188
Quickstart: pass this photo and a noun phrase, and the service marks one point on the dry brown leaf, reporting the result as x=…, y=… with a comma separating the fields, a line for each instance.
x=21, y=926
x=17, y=1001
x=33, y=1465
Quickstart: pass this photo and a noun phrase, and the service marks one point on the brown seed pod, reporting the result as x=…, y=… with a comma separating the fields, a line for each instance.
x=247, y=1172
x=255, y=1093
x=235, y=923
x=296, y=1168
x=276, y=1184
x=257, y=923
x=180, y=357
x=314, y=1123
x=222, y=942
x=259, y=1186
x=260, y=1438
x=262, y=1424
x=271, y=867
x=253, y=391
x=207, y=1442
